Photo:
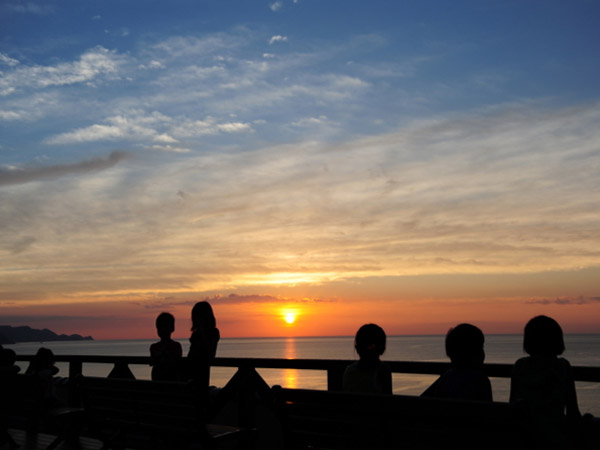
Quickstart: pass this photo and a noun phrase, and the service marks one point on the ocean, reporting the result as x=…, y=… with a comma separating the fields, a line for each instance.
x=582, y=350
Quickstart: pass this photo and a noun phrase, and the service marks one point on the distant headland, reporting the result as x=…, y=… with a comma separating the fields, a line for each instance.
x=12, y=335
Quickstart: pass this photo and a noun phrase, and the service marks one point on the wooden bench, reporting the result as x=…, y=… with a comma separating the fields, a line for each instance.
x=151, y=414
x=25, y=407
x=337, y=420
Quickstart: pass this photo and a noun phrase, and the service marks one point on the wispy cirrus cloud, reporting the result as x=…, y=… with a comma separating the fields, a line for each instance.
x=310, y=121
x=277, y=38
x=276, y=6
x=5, y=59
x=261, y=298
x=12, y=115
x=92, y=65
x=515, y=199
x=490, y=190
x=205, y=77
x=209, y=126
x=148, y=129
x=29, y=8
x=133, y=125
x=210, y=46
x=231, y=299
x=30, y=107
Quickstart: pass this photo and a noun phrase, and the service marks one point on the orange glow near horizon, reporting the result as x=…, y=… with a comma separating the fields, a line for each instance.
x=339, y=318
x=401, y=305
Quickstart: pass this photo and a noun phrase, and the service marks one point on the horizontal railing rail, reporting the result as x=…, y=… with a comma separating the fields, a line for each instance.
x=333, y=367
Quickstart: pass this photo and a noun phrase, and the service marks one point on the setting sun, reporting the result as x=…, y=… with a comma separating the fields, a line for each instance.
x=289, y=316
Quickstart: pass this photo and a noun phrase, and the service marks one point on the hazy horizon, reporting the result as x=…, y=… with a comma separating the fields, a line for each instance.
x=185, y=338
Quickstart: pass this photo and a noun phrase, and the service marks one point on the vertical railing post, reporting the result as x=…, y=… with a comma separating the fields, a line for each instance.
x=246, y=404
x=335, y=375
x=246, y=389
x=121, y=370
x=75, y=370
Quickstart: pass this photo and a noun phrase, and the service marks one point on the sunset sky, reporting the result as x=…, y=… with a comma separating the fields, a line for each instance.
x=411, y=163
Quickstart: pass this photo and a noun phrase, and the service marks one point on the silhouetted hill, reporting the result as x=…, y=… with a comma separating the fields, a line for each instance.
x=10, y=335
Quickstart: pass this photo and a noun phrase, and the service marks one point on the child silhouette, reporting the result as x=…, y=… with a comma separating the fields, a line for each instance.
x=43, y=367
x=465, y=379
x=368, y=374
x=166, y=353
x=203, y=342
x=8, y=357
x=544, y=384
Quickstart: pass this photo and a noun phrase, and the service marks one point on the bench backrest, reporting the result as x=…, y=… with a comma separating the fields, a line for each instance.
x=338, y=420
x=23, y=400
x=156, y=406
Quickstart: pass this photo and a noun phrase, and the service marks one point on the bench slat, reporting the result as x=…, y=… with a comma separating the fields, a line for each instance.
x=339, y=420
x=148, y=414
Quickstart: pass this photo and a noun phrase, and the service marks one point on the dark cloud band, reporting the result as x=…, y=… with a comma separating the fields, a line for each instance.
x=27, y=175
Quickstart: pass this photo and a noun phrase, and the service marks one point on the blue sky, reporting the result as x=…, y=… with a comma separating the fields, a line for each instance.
x=187, y=148
x=265, y=71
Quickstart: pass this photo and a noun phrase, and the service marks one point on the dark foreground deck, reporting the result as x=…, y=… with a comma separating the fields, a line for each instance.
x=41, y=441
x=251, y=404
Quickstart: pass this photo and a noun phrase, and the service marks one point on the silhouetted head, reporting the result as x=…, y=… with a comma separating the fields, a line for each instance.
x=464, y=345
x=543, y=337
x=7, y=357
x=43, y=359
x=203, y=316
x=165, y=324
x=370, y=341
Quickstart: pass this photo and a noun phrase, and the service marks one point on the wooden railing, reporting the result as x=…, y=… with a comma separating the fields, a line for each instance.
x=333, y=367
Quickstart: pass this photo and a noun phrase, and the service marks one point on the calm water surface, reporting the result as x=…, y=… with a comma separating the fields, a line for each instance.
x=582, y=350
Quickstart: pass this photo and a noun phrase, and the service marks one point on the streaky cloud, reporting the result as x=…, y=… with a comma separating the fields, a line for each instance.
x=277, y=38
x=5, y=59
x=580, y=300
x=231, y=299
x=92, y=64
x=30, y=8
x=276, y=6
x=20, y=245
x=27, y=175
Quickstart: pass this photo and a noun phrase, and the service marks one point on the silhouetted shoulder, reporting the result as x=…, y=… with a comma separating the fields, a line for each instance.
x=169, y=348
x=540, y=365
x=461, y=384
x=166, y=356
x=372, y=378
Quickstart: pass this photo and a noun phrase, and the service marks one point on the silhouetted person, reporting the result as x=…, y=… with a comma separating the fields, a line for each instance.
x=8, y=358
x=203, y=343
x=544, y=384
x=8, y=372
x=465, y=379
x=43, y=364
x=368, y=374
x=43, y=367
x=166, y=354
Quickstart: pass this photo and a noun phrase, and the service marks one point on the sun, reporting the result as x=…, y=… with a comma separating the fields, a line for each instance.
x=289, y=316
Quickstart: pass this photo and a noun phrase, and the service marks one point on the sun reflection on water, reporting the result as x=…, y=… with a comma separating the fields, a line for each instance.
x=290, y=376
